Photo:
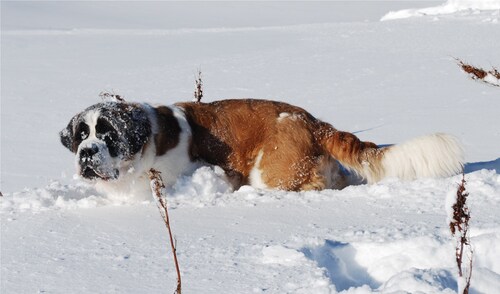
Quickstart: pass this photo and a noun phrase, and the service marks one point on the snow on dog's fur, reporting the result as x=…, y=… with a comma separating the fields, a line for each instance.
x=261, y=143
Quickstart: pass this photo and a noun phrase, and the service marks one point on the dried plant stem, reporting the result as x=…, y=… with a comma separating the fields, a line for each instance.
x=157, y=187
x=107, y=96
x=459, y=227
x=198, y=87
x=491, y=77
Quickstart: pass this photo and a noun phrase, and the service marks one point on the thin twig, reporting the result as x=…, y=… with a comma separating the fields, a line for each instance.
x=105, y=96
x=198, y=87
x=469, y=274
x=460, y=225
x=157, y=188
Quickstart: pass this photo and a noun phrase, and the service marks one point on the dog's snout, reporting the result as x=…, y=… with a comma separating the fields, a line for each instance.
x=87, y=153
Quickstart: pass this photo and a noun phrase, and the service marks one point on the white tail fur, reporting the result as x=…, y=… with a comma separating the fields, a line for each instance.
x=436, y=155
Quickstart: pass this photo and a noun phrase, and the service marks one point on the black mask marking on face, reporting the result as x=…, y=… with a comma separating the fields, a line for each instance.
x=107, y=133
x=124, y=127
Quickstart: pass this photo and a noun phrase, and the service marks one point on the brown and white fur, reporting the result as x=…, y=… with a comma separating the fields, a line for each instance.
x=265, y=144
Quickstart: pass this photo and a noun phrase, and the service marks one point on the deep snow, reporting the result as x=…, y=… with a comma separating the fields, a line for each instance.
x=386, y=81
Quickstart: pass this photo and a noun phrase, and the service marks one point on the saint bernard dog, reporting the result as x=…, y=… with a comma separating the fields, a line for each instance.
x=265, y=144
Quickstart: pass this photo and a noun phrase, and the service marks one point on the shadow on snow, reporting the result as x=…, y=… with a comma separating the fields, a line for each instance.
x=338, y=259
x=475, y=166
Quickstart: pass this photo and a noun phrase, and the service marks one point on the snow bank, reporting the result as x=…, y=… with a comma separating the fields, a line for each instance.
x=451, y=6
x=421, y=281
x=54, y=196
x=208, y=186
x=423, y=264
x=387, y=258
x=282, y=255
x=204, y=187
x=356, y=263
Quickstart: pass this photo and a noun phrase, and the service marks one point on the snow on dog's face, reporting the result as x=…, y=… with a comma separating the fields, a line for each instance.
x=106, y=137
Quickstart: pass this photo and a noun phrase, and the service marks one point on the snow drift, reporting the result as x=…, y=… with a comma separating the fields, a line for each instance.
x=451, y=6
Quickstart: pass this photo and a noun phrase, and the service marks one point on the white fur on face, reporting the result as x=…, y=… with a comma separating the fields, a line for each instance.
x=101, y=162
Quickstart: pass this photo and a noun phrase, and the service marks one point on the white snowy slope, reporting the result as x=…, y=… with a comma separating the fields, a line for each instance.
x=385, y=81
x=462, y=7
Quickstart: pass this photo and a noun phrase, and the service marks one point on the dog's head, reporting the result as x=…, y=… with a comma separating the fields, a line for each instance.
x=106, y=137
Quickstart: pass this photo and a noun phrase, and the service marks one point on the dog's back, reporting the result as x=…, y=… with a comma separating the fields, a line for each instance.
x=262, y=143
x=271, y=144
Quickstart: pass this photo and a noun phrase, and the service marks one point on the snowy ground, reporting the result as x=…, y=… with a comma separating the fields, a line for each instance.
x=386, y=81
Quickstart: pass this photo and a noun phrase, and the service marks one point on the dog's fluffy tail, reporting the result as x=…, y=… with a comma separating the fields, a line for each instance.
x=437, y=155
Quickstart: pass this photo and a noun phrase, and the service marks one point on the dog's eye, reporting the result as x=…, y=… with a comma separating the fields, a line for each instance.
x=103, y=127
x=106, y=132
x=83, y=130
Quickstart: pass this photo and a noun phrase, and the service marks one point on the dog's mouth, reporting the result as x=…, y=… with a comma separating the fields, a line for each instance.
x=91, y=174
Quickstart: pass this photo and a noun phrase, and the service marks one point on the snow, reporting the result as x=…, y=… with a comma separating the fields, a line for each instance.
x=449, y=7
x=385, y=81
x=491, y=79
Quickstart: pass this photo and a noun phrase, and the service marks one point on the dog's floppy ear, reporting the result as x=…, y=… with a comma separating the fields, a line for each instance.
x=140, y=129
x=67, y=136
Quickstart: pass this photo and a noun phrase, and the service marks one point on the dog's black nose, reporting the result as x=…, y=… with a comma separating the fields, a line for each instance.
x=87, y=153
